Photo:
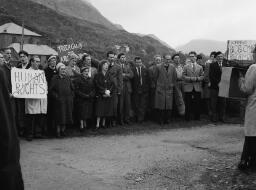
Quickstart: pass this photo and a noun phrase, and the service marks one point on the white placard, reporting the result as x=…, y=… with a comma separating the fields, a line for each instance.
x=241, y=50
x=28, y=83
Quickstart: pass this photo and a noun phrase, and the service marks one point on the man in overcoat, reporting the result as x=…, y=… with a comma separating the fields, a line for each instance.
x=124, y=103
x=166, y=78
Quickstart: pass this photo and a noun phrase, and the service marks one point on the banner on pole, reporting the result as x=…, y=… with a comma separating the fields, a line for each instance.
x=28, y=83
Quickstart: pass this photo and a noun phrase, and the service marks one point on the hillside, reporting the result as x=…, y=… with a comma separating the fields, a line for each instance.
x=203, y=46
x=80, y=9
x=57, y=28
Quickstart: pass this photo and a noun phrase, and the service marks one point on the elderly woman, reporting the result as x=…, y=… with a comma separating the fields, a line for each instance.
x=85, y=92
x=104, y=88
x=72, y=70
x=35, y=110
x=62, y=91
x=248, y=85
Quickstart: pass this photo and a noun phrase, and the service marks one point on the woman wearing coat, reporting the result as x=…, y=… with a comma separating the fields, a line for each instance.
x=61, y=90
x=35, y=110
x=85, y=93
x=104, y=85
x=248, y=85
x=166, y=77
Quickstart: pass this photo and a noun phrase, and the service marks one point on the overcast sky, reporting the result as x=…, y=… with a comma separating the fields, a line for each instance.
x=179, y=21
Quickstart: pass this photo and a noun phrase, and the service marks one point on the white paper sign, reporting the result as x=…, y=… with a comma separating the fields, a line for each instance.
x=241, y=50
x=28, y=83
x=224, y=84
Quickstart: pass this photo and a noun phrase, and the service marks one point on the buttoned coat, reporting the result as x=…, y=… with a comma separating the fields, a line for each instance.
x=165, y=83
x=193, y=78
x=248, y=85
x=115, y=72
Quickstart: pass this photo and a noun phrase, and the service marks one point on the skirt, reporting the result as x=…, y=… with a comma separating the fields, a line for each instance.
x=104, y=107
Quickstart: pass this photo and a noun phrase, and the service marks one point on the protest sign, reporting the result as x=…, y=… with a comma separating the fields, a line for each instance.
x=65, y=50
x=228, y=86
x=28, y=83
x=241, y=50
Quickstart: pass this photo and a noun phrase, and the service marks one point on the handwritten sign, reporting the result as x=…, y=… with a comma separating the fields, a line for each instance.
x=241, y=50
x=28, y=83
x=65, y=50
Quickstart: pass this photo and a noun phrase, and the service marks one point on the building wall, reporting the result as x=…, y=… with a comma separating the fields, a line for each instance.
x=7, y=39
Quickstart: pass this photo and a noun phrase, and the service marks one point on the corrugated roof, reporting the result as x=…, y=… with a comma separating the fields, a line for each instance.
x=34, y=49
x=12, y=28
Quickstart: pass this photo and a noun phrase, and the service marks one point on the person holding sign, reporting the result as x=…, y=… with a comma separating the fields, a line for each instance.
x=35, y=110
x=247, y=84
x=20, y=102
x=62, y=92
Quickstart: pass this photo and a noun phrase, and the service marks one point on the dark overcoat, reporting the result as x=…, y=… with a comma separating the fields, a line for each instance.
x=62, y=92
x=10, y=171
x=85, y=93
x=104, y=106
x=165, y=83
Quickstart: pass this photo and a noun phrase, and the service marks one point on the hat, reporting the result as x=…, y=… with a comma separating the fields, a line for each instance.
x=51, y=57
x=72, y=56
x=59, y=65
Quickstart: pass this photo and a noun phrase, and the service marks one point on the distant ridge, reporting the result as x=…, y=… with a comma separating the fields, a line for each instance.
x=203, y=46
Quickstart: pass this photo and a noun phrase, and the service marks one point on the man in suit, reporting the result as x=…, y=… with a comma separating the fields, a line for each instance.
x=20, y=102
x=140, y=84
x=218, y=104
x=152, y=90
x=193, y=76
x=115, y=72
x=124, y=103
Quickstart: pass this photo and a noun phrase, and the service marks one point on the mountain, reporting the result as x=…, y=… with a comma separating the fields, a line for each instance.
x=161, y=41
x=203, y=46
x=156, y=38
x=81, y=9
x=57, y=28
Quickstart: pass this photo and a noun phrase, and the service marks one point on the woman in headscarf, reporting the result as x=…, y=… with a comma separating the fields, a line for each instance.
x=85, y=93
x=248, y=85
x=62, y=91
x=104, y=88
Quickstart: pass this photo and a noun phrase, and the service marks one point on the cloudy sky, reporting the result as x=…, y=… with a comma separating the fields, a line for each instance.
x=179, y=21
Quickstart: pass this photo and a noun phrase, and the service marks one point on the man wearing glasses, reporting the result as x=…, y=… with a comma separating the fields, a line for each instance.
x=193, y=75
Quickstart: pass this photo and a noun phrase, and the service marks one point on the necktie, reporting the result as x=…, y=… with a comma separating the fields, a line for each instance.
x=140, y=77
x=194, y=67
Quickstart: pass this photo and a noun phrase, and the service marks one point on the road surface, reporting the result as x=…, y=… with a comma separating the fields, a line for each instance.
x=199, y=157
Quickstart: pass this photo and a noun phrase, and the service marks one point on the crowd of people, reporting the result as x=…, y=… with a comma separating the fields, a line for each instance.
x=115, y=91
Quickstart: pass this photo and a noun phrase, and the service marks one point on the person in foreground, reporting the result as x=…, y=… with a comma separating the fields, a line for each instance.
x=247, y=84
x=10, y=170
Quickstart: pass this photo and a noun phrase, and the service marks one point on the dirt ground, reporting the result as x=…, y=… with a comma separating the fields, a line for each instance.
x=176, y=156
